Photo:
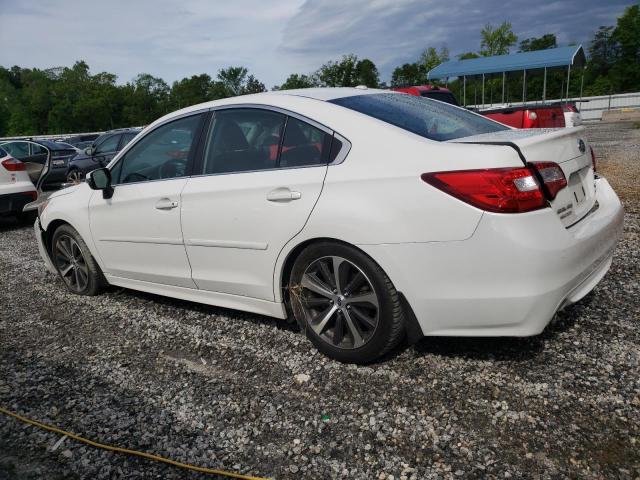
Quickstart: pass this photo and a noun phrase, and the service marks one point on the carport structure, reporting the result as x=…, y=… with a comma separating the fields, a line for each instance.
x=540, y=59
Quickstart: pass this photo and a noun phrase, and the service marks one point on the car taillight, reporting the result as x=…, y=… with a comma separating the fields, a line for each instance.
x=13, y=165
x=593, y=158
x=569, y=107
x=552, y=177
x=33, y=195
x=500, y=190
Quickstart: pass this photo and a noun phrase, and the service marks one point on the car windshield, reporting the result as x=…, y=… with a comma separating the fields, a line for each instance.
x=428, y=118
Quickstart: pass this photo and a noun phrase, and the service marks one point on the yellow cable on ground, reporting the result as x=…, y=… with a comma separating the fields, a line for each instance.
x=136, y=453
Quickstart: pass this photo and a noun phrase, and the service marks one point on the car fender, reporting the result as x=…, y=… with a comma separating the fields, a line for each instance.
x=71, y=206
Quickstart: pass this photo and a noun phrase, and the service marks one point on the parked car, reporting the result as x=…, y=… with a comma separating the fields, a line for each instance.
x=572, y=117
x=365, y=215
x=16, y=187
x=527, y=116
x=429, y=91
x=34, y=154
x=517, y=116
x=99, y=153
x=81, y=141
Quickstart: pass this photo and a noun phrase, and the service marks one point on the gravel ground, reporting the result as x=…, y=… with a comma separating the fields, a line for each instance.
x=224, y=389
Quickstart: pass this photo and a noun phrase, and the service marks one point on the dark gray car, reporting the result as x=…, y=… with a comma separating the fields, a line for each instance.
x=100, y=153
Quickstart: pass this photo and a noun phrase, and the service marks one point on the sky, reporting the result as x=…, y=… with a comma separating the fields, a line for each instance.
x=272, y=38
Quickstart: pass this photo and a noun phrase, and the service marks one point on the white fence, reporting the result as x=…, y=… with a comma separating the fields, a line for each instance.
x=591, y=108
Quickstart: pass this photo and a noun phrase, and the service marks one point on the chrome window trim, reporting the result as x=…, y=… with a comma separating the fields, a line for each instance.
x=340, y=158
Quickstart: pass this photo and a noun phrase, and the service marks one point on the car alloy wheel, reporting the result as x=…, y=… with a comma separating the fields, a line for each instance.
x=339, y=302
x=74, y=176
x=71, y=263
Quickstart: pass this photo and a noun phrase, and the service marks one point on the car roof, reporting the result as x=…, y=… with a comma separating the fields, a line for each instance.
x=274, y=97
x=330, y=93
x=45, y=143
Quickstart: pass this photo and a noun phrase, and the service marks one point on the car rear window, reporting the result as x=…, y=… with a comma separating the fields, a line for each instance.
x=446, y=97
x=422, y=116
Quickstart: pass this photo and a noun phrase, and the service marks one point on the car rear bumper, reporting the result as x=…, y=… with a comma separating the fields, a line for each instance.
x=13, y=203
x=511, y=276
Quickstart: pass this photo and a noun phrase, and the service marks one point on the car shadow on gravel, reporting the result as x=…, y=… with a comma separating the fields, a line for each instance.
x=187, y=306
x=503, y=348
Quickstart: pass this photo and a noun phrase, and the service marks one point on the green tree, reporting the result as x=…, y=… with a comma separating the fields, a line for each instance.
x=338, y=73
x=253, y=85
x=626, y=37
x=408, y=74
x=430, y=58
x=468, y=55
x=191, y=91
x=233, y=79
x=366, y=73
x=295, y=80
x=496, y=41
x=548, y=40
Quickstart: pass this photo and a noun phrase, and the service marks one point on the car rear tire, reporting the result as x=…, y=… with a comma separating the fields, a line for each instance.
x=345, y=303
x=75, y=264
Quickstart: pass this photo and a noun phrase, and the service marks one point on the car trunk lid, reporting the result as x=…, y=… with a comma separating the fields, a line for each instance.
x=568, y=148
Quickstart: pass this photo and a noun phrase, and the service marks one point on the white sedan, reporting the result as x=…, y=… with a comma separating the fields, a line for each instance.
x=367, y=216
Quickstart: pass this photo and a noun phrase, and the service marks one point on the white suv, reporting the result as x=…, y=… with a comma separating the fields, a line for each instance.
x=16, y=186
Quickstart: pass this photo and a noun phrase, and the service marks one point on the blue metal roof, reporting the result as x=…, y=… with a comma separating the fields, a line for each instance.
x=552, y=57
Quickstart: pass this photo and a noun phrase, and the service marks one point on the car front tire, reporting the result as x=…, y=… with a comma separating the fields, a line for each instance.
x=345, y=303
x=75, y=264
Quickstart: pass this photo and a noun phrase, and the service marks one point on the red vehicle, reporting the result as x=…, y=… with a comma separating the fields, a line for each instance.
x=429, y=91
x=525, y=116
x=528, y=116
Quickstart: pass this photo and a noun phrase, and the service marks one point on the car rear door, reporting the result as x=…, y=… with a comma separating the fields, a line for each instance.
x=137, y=231
x=261, y=175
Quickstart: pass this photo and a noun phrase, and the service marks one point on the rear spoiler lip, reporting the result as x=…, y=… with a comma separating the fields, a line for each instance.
x=502, y=144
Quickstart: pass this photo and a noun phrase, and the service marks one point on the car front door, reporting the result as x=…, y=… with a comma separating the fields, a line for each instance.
x=262, y=172
x=137, y=231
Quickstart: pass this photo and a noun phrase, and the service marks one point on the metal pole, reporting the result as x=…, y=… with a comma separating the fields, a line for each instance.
x=544, y=86
x=464, y=90
x=568, y=80
x=581, y=85
x=503, y=74
x=483, y=90
x=524, y=85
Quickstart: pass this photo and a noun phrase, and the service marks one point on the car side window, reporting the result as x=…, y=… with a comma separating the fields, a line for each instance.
x=242, y=140
x=37, y=150
x=109, y=145
x=18, y=150
x=161, y=154
x=304, y=145
x=126, y=138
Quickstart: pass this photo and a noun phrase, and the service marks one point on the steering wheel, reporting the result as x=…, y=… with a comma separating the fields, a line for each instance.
x=174, y=167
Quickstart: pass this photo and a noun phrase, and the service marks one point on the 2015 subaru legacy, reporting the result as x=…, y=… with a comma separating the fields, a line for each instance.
x=365, y=215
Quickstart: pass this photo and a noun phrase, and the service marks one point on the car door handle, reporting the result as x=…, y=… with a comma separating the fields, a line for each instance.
x=283, y=195
x=166, y=204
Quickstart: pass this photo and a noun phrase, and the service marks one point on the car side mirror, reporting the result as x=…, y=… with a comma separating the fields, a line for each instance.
x=100, y=179
x=90, y=150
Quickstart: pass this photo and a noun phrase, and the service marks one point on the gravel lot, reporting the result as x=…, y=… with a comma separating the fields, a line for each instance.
x=224, y=389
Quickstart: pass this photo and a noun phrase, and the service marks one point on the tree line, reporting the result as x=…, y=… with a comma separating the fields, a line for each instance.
x=71, y=99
